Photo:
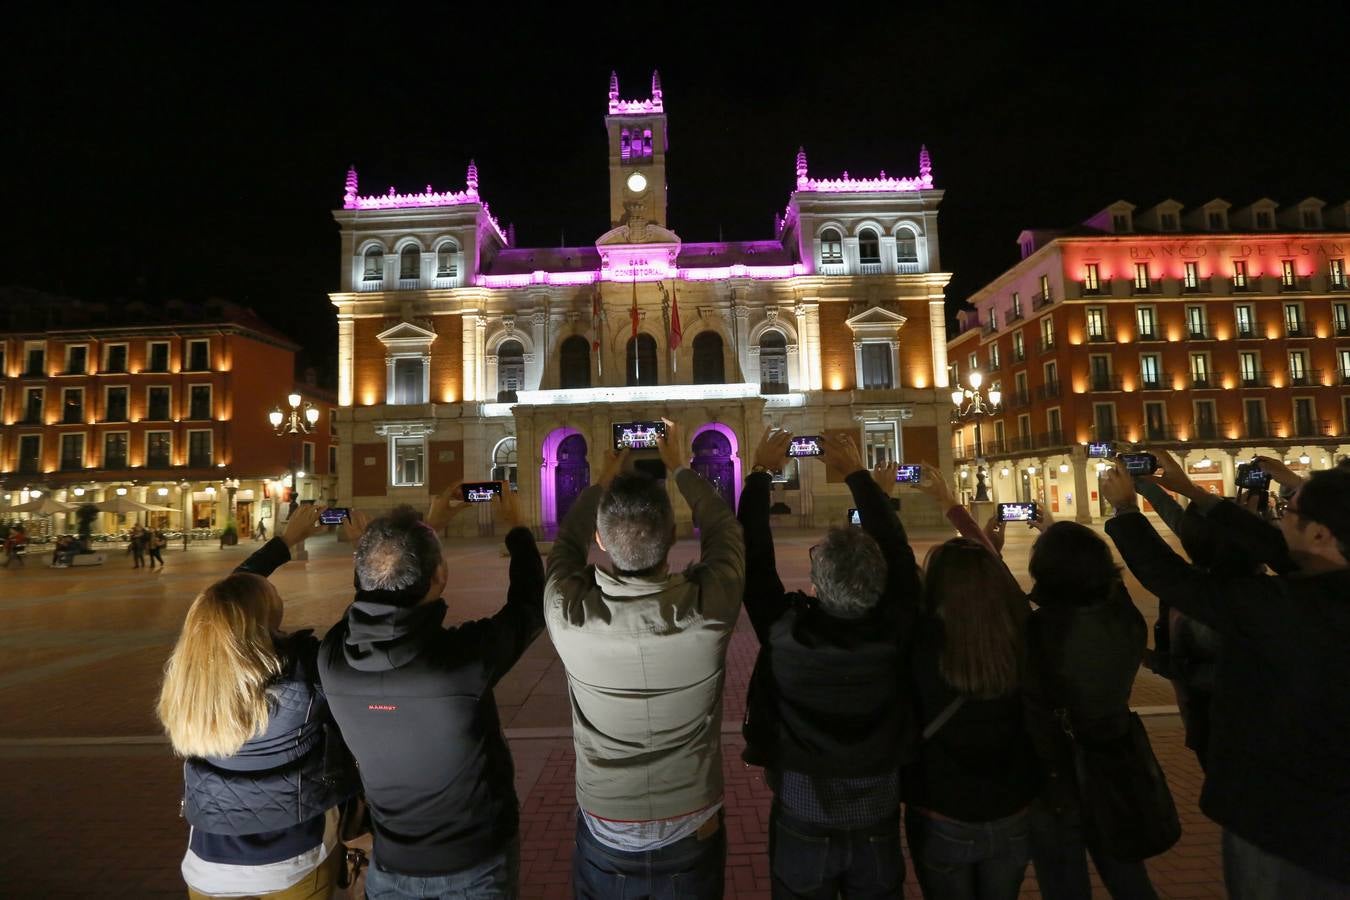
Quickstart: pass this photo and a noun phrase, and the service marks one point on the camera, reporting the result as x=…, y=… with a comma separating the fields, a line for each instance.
x=806, y=445
x=637, y=435
x=854, y=517
x=1252, y=477
x=334, y=515
x=908, y=474
x=1017, y=512
x=1099, y=450
x=480, y=491
x=1139, y=463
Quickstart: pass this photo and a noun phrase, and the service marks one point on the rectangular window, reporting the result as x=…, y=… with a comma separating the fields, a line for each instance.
x=116, y=358
x=1336, y=273
x=1019, y=347
x=332, y=421
x=1099, y=369
x=906, y=247
x=1286, y=273
x=1104, y=421
x=409, y=381
x=881, y=442
x=1096, y=323
x=1195, y=322
x=1056, y=427
x=157, y=357
x=1246, y=321
x=1263, y=220
x=1240, y=275
x=1047, y=333
x=35, y=360
x=157, y=403
x=1206, y=419
x=199, y=449
x=1168, y=221
x=1145, y=319
x=973, y=362
x=1016, y=306
x=1155, y=421
x=1249, y=368
x=1045, y=289
x=1141, y=279
x=1340, y=314
x=994, y=361
x=1216, y=221
x=1293, y=319
x=1191, y=277
x=876, y=366
x=199, y=402
x=115, y=405
x=4, y=372
x=1092, y=282
x=199, y=355
x=332, y=460
x=115, y=450
x=1150, y=372
x=158, y=446
x=408, y=455
x=1305, y=417
x=72, y=406
x=72, y=452
x=77, y=360
x=1051, y=372
x=30, y=453
x=32, y=406
x=1020, y=386
x=307, y=457
x=1024, y=426
x=993, y=318
x=1298, y=367
x=1000, y=438
x=1200, y=370
x=1343, y=366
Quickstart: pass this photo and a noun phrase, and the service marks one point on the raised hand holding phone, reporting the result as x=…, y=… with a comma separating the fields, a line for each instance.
x=842, y=456
x=883, y=473
x=303, y=523
x=1171, y=475
x=935, y=485
x=772, y=448
x=507, y=505
x=670, y=445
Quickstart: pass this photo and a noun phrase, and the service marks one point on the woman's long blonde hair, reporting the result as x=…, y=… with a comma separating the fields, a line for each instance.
x=973, y=595
x=214, y=696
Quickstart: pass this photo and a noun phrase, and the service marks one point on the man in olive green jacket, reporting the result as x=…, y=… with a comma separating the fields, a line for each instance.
x=645, y=652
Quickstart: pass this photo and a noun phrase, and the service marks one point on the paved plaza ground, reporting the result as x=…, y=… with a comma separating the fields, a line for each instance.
x=91, y=790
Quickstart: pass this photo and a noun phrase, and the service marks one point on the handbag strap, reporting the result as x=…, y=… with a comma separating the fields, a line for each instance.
x=943, y=717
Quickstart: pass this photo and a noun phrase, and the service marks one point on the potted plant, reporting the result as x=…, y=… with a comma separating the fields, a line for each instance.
x=86, y=515
x=229, y=535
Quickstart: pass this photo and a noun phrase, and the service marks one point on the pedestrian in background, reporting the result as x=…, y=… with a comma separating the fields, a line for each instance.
x=155, y=542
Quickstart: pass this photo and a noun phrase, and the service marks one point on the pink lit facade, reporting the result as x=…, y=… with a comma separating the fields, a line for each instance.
x=1214, y=332
x=464, y=355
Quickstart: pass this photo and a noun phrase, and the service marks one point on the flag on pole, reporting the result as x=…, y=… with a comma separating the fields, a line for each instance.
x=676, y=331
x=633, y=313
x=637, y=355
x=597, y=311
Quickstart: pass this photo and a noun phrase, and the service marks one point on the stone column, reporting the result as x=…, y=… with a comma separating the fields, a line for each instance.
x=469, y=365
x=813, y=344
x=1081, y=496
x=802, y=370
x=534, y=362
x=346, y=359
x=480, y=356
x=937, y=332
x=741, y=335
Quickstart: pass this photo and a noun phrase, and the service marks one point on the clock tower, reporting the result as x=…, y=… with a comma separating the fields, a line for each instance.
x=637, y=155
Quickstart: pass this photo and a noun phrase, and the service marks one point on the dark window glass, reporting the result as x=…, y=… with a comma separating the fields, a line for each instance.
x=641, y=360
x=117, y=358
x=199, y=356
x=29, y=448
x=72, y=452
x=200, y=405
x=574, y=363
x=117, y=405
x=157, y=450
x=115, y=451
x=159, y=358
x=709, y=367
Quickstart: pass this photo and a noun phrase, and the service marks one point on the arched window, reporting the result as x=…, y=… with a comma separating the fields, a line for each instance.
x=869, y=247
x=574, y=363
x=641, y=361
x=510, y=370
x=906, y=246
x=374, y=265
x=445, y=261
x=831, y=247
x=410, y=263
x=708, y=364
x=773, y=371
x=504, y=461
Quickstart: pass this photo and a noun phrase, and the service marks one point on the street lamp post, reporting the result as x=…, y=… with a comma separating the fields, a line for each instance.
x=298, y=420
x=974, y=404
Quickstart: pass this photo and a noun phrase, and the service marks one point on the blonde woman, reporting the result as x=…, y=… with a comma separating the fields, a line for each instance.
x=241, y=702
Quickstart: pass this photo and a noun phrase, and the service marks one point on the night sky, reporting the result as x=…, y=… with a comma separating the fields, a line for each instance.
x=189, y=154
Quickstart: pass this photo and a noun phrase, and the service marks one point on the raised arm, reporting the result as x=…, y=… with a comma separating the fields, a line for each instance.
x=518, y=623
x=721, y=547
x=303, y=523
x=934, y=484
x=572, y=546
x=764, y=591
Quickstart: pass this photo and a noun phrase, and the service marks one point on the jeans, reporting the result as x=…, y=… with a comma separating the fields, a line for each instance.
x=1060, y=856
x=691, y=868
x=969, y=860
x=1251, y=873
x=811, y=861
x=495, y=878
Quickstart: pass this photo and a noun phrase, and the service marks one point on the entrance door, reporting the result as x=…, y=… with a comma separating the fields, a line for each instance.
x=712, y=460
x=572, y=475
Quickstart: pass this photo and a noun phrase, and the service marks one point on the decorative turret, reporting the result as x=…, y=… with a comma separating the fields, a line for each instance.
x=349, y=197
x=471, y=179
x=925, y=166
x=511, y=235
x=656, y=86
x=613, y=88
x=801, y=167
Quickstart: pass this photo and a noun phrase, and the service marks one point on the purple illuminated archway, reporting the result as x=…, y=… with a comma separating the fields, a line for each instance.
x=548, y=484
x=730, y=435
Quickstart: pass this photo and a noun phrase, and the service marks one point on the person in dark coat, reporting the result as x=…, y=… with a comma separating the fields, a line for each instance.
x=136, y=546
x=1278, y=776
x=263, y=774
x=1085, y=641
x=828, y=715
x=415, y=703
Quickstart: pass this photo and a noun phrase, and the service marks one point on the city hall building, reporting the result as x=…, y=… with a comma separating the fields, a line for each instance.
x=1217, y=332
x=465, y=356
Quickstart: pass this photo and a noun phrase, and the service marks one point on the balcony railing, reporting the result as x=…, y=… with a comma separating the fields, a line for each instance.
x=1102, y=287
x=72, y=415
x=30, y=372
x=994, y=365
x=1209, y=431
x=1343, y=375
x=1262, y=429
x=1016, y=399
x=1248, y=285
x=1333, y=285
x=1099, y=337
x=1246, y=334
x=989, y=328
x=1050, y=439
x=1161, y=382
x=1256, y=379
x=1297, y=283
x=1343, y=329
x=1048, y=391
x=1148, y=336
x=71, y=464
x=1015, y=315
x=115, y=462
x=1019, y=354
x=869, y=268
x=32, y=418
x=1311, y=427
x=1106, y=432
x=28, y=467
x=1041, y=300
x=1201, y=286
x=1047, y=344
x=409, y=284
x=1160, y=432
x=1098, y=382
x=1198, y=333
x=1206, y=381
x=368, y=284
x=1297, y=330
x=1306, y=378
x=1021, y=443
x=157, y=461
x=200, y=460
x=1154, y=286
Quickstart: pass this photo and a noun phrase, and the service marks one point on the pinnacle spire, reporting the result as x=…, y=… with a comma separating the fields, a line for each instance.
x=801, y=165
x=471, y=178
x=613, y=85
x=925, y=164
x=656, y=85
x=349, y=196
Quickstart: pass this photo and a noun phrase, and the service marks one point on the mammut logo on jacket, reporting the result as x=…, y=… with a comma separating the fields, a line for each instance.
x=382, y=707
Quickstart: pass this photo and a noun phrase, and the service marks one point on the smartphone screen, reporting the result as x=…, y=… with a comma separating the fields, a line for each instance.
x=480, y=491
x=908, y=474
x=334, y=515
x=637, y=435
x=1139, y=463
x=854, y=517
x=806, y=445
x=1099, y=450
x=1017, y=512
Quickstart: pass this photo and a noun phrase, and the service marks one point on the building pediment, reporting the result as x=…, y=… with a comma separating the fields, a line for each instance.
x=406, y=334
x=874, y=317
x=638, y=251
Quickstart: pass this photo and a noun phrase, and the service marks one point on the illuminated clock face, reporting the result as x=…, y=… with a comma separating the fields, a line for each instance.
x=637, y=183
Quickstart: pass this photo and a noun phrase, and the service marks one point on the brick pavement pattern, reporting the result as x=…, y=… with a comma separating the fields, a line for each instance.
x=91, y=791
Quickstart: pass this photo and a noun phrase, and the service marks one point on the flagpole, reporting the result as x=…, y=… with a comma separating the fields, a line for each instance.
x=637, y=350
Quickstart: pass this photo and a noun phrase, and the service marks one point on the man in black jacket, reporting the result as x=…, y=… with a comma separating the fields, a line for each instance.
x=826, y=715
x=1278, y=779
x=414, y=702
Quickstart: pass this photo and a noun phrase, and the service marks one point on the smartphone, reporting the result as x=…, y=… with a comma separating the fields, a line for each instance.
x=637, y=435
x=806, y=445
x=1099, y=450
x=1252, y=477
x=1139, y=463
x=1017, y=512
x=854, y=517
x=480, y=491
x=334, y=515
x=908, y=474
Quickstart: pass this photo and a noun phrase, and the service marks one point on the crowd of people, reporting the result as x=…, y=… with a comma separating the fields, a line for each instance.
x=146, y=543
x=990, y=724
